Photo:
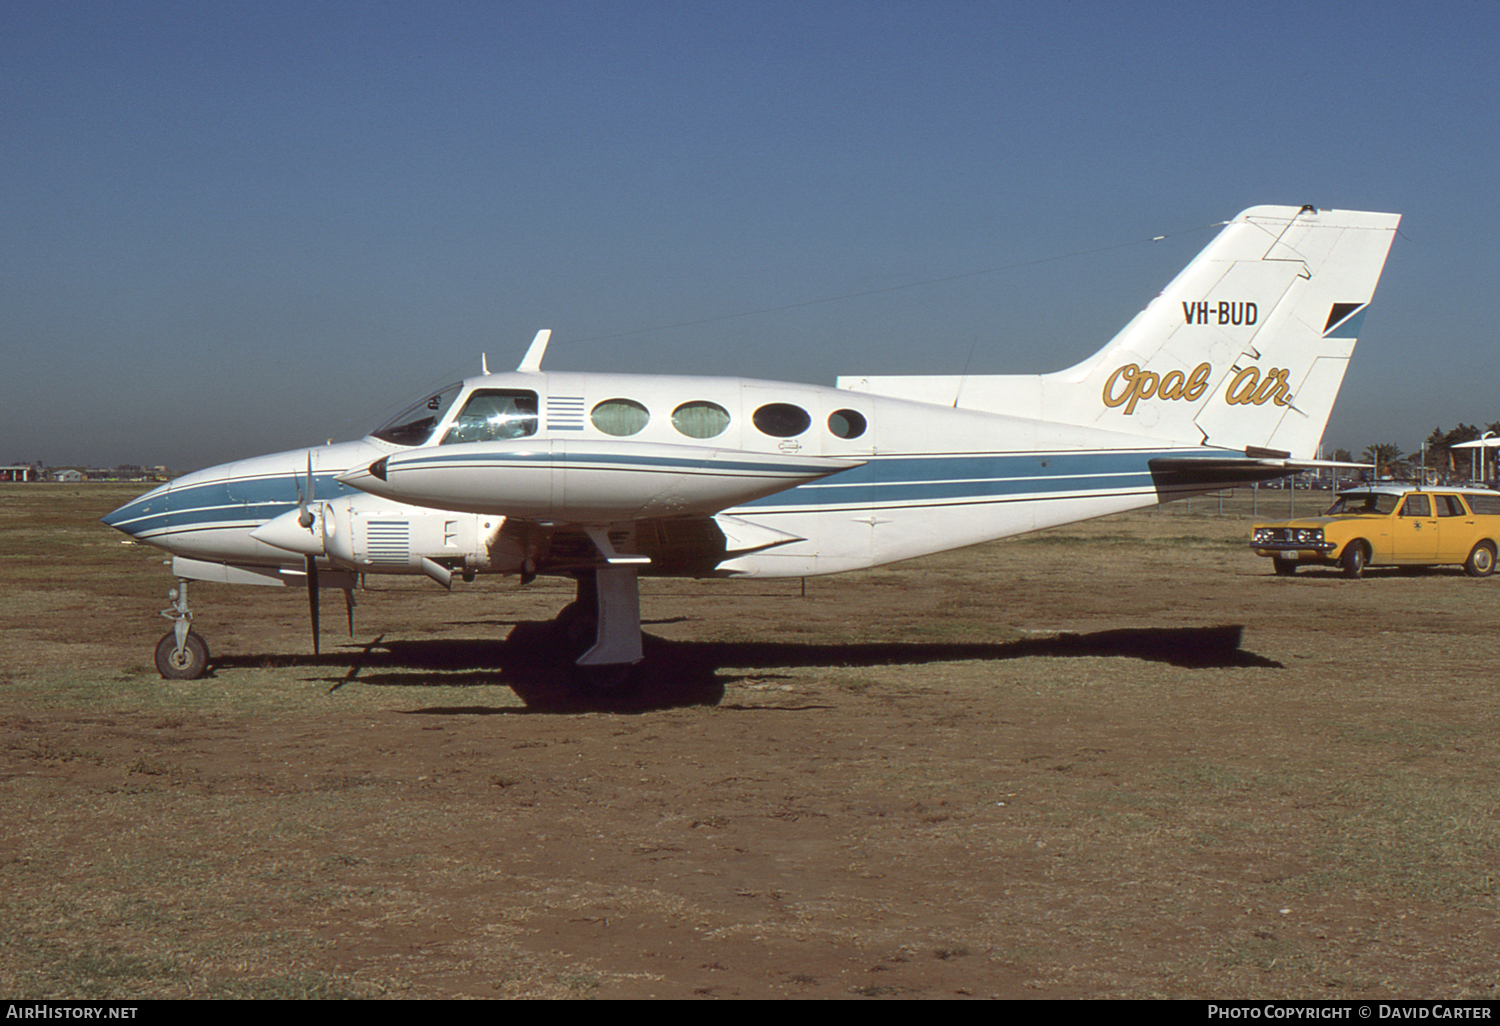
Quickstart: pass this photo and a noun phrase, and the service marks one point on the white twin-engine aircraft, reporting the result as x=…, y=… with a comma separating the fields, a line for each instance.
x=1226, y=377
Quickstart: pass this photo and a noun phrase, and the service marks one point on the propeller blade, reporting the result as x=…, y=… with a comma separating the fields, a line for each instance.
x=312, y=598
x=304, y=499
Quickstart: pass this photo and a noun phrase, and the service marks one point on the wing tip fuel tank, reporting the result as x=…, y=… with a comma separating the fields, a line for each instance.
x=596, y=481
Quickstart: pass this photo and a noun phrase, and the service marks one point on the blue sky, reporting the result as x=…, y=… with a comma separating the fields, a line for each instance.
x=234, y=228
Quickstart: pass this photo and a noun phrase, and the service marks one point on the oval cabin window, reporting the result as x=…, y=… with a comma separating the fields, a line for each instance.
x=620, y=417
x=781, y=420
x=700, y=419
x=846, y=423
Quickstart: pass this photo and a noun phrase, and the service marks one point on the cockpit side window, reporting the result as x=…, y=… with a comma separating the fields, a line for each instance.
x=415, y=424
x=494, y=414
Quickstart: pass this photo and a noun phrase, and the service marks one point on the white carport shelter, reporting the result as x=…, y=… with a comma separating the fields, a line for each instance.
x=1479, y=446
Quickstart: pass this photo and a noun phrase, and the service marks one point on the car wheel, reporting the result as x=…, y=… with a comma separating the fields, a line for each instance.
x=1481, y=562
x=1353, y=560
x=1284, y=567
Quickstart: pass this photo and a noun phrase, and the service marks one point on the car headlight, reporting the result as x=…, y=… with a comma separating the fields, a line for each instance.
x=1308, y=535
x=1264, y=535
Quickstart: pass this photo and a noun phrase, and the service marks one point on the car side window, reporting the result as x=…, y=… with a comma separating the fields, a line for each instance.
x=1416, y=506
x=1449, y=506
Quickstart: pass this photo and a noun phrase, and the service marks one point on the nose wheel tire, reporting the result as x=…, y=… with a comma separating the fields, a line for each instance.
x=188, y=664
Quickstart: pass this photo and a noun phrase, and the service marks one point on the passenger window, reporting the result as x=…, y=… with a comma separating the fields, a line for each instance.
x=781, y=420
x=1449, y=506
x=1417, y=506
x=1484, y=504
x=846, y=423
x=494, y=414
x=620, y=417
x=700, y=419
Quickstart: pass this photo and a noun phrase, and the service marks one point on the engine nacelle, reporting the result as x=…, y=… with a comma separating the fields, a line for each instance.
x=364, y=535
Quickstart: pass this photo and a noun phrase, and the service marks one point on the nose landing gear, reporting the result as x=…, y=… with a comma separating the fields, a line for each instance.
x=181, y=654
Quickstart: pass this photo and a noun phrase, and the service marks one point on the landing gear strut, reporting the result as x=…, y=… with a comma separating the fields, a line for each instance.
x=181, y=654
x=602, y=625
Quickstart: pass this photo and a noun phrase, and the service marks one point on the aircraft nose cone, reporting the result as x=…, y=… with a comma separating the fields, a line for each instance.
x=136, y=516
x=115, y=518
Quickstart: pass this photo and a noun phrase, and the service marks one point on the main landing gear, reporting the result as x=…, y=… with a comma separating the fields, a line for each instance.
x=601, y=627
x=181, y=654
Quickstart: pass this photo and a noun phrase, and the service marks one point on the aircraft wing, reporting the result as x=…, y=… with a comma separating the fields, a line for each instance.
x=693, y=546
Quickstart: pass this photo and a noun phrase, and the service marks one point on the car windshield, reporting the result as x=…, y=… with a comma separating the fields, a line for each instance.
x=1366, y=503
x=415, y=424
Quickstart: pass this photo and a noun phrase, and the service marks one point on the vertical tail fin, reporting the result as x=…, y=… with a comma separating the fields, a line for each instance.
x=1250, y=342
x=1246, y=347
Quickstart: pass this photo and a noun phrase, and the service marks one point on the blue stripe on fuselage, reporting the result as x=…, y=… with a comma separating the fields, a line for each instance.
x=949, y=478
x=225, y=502
x=893, y=480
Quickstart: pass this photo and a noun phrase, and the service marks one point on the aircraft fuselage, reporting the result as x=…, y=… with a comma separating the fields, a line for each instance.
x=841, y=477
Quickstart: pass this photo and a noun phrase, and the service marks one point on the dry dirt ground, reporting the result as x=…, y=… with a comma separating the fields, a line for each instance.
x=1119, y=759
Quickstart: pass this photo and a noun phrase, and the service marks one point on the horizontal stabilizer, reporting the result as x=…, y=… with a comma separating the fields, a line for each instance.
x=1199, y=473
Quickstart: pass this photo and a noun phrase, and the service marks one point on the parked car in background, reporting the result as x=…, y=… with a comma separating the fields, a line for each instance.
x=1389, y=525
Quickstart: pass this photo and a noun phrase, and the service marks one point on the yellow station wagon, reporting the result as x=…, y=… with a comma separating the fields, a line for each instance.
x=1389, y=525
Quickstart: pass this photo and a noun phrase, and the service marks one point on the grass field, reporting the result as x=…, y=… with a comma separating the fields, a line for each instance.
x=1118, y=759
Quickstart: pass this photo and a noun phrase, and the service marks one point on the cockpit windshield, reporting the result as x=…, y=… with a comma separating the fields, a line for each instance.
x=414, y=425
x=1378, y=503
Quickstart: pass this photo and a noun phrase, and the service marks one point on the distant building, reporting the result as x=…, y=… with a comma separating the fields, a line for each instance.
x=68, y=475
x=18, y=472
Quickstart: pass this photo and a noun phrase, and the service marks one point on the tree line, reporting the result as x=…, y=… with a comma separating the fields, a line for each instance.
x=1438, y=455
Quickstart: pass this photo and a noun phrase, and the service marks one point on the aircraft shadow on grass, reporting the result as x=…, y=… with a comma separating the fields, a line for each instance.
x=535, y=663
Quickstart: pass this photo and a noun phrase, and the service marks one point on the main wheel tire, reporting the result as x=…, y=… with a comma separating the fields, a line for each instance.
x=1353, y=560
x=189, y=664
x=1481, y=562
x=1284, y=567
x=578, y=626
x=612, y=677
